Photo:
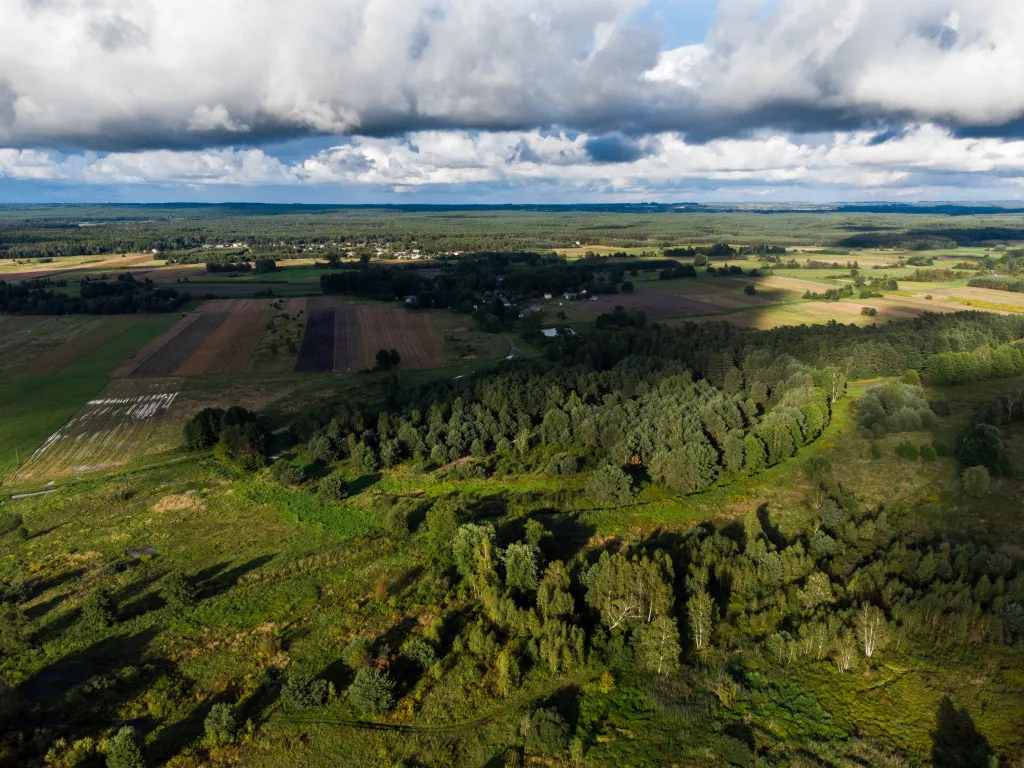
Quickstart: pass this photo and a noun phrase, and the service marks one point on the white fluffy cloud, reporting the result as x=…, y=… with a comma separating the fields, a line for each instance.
x=144, y=74
x=923, y=160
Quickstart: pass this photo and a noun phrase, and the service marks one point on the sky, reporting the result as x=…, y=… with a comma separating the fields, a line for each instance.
x=511, y=101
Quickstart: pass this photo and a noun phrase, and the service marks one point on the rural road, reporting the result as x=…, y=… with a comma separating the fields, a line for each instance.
x=513, y=349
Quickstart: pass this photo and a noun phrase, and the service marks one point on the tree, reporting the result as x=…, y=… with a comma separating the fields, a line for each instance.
x=521, y=568
x=383, y=358
x=221, y=724
x=983, y=446
x=418, y=650
x=871, y=628
x=507, y=669
x=372, y=692
x=977, y=482
x=547, y=733
x=750, y=289
x=394, y=358
x=700, y=609
x=98, y=611
x=554, y=601
x=332, y=488
x=468, y=545
x=626, y=591
x=610, y=485
x=178, y=593
x=442, y=526
x=123, y=750
x=658, y=646
x=299, y=692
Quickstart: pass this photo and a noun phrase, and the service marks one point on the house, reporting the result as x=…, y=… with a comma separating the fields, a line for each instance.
x=570, y=296
x=550, y=332
x=410, y=300
x=548, y=296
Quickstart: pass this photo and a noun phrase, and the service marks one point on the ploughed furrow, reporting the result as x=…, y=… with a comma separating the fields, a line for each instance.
x=180, y=348
x=346, y=340
x=317, y=352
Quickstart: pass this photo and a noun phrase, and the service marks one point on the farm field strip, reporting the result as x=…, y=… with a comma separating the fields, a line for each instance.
x=170, y=357
x=346, y=340
x=63, y=355
x=655, y=304
x=317, y=352
x=31, y=340
x=229, y=346
x=154, y=346
x=413, y=335
x=109, y=431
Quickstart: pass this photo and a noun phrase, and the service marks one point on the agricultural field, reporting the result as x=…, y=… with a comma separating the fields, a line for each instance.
x=122, y=424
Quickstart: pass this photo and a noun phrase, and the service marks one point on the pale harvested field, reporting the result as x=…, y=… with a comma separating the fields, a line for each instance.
x=122, y=424
x=413, y=335
x=144, y=354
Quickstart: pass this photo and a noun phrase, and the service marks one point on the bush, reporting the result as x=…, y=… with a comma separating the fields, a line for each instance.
x=356, y=653
x=303, y=693
x=977, y=482
x=563, y=465
x=123, y=750
x=750, y=289
x=610, y=485
x=928, y=453
x=372, y=692
x=98, y=611
x=178, y=593
x=286, y=473
x=869, y=311
x=876, y=451
x=942, y=448
x=332, y=488
x=895, y=407
x=419, y=651
x=907, y=450
x=548, y=734
x=912, y=377
x=941, y=408
x=221, y=725
x=10, y=522
x=983, y=446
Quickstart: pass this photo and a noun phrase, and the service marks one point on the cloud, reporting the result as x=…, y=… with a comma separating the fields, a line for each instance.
x=667, y=166
x=113, y=75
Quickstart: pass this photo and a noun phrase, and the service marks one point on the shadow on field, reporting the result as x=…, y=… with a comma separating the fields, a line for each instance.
x=956, y=742
x=217, y=579
x=364, y=483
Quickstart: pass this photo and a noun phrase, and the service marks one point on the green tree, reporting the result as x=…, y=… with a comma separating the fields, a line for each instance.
x=700, y=610
x=610, y=485
x=332, y=488
x=383, y=358
x=98, y=611
x=418, y=650
x=983, y=446
x=299, y=692
x=976, y=482
x=547, y=734
x=658, y=646
x=221, y=724
x=178, y=593
x=372, y=692
x=521, y=568
x=442, y=525
x=123, y=750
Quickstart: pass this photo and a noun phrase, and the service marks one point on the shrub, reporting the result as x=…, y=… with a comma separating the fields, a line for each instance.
x=356, y=653
x=547, y=734
x=907, y=450
x=123, y=750
x=286, y=473
x=178, y=593
x=895, y=407
x=977, y=482
x=10, y=522
x=372, y=692
x=928, y=453
x=332, y=488
x=221, y=724
x=869, y=311
x=942, y=448
x=912, y=377
x=98, y=611
x=876, y=451
x=304, y=693
x=941, y=408
x=419, y=651
x=610, y=485
x=563, y=465
x=750, y=289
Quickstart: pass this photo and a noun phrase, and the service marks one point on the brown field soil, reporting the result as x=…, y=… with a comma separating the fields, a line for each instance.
x=346, y=340
x=57, y=358
x=413, y=335
x=53, y=269
x=228, y=348
x=121, y=424
x=299, y=304
x=234, y=305
x=12, y=324
x=178, y=349
x=144, y=354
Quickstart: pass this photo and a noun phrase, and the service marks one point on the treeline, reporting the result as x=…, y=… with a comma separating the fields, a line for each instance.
x=124, y=295
x=987, y=362
x=723, y=251
x=474, y=278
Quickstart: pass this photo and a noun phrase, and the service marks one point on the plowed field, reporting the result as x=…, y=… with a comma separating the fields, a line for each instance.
x=413, y=335
x=178, y=349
